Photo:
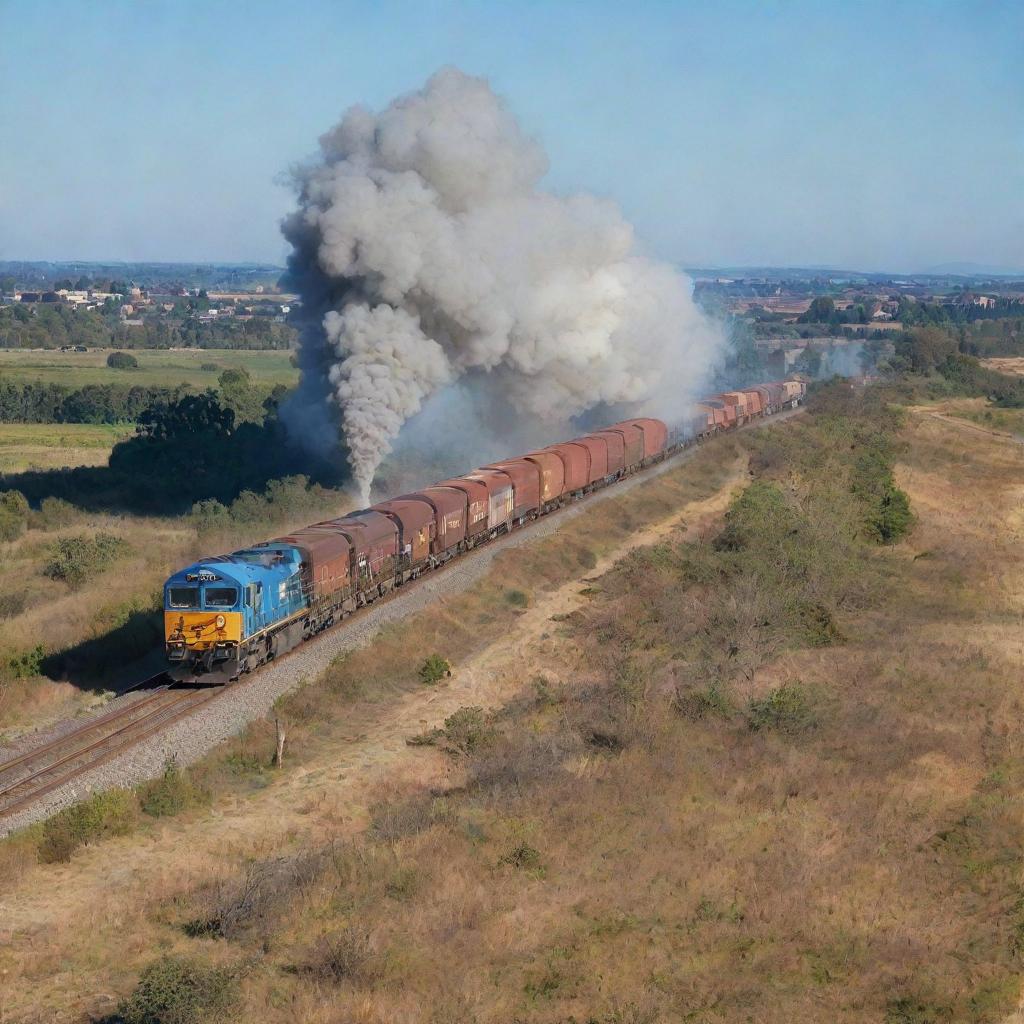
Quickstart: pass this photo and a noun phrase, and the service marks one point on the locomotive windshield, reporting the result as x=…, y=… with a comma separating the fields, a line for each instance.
x=182, y=597
x=221, y=597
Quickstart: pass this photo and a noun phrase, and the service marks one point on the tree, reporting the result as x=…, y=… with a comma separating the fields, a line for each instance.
x=122, y=361
x=820, y=311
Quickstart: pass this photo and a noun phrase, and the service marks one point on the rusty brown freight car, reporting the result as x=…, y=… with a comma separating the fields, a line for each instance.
x=616, y=450
x=326, y=560
x=415, y=520
x=738, y=400
x=575, y=459
x=526, y=484
x=552, y=475
x=653, y=432
x=477, y=507
x=597, y=447
x=374, y=541
x=500, y=499
x=632, y=443
x=755, y=406
x=451, y=508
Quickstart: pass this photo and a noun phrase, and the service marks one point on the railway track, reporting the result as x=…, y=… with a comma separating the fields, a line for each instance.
x=39, y=771
x=33, y=774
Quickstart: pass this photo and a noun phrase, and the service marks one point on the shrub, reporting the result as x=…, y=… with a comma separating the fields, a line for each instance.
x=699, y=705
x=523, y=856
x=788, y=709
x=171, y=794
x=180, y=990
x=14, y=511
x=28, y=663
x=467, y=730
x=122, y=361
x=891, y=518
x=344, y=956
x=209, y=367
x=517, y=598
x=75, y=560
x=434, y=669
x=587, y=558
x=209, y=514
x=113, y=813
x=54, y=513
x=392, y=820
x=12, y=604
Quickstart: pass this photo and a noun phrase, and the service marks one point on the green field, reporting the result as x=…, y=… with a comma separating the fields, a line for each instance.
x=55, y=445
x=157, y=367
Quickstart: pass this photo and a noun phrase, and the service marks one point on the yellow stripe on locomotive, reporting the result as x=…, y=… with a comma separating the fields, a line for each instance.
x=201, y=630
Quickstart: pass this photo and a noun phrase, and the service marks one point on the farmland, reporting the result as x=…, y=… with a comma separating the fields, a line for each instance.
x=56, y=445
x=157, y=367
x=782, y=787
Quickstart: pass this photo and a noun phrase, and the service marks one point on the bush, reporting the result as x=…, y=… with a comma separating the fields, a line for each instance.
x=699, y=705
x=122, y=361
x=12, y=604
x=54, y=513
x=180, y=990
x=210, y=514
x=75, y=560
x=517, y=598
x=28, y=663
x=14, y=511
x=171, y=794
x=434, y=669
x=113, y=813
x=788, y=709
x=467, y=730
x=209, y=367
x=523, y=856
x=344, y=956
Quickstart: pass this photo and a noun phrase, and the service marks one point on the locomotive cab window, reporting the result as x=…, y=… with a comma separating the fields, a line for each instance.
x=182, y=597
x=221, y=597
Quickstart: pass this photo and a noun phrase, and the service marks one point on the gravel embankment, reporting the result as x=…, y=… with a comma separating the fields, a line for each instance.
x=193, y=737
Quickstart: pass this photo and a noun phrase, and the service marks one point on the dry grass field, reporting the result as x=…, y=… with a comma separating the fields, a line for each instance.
x=623, y=832
x=157, y=367
x=44, y=446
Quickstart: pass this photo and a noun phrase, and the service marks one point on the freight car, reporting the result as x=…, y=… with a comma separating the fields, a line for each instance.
x=227, y=615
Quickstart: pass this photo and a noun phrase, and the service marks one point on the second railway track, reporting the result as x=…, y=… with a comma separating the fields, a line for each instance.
x=33, y=774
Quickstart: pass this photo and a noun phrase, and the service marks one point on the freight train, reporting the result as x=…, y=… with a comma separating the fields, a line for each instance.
x=227, y=615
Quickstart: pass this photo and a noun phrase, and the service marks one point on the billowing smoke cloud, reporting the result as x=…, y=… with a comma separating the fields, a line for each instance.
x=426, y=254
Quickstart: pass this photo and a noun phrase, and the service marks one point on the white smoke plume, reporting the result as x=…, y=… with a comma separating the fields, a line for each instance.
x=426, y=251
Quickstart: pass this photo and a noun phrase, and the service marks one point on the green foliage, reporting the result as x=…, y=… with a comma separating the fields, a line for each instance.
x=467, y=731
x=76, y=560
x=707, y=703
x=524, y=857
x=54, y=513
x=788, y=709
x=909, y=1010
x=113, y=813
x=209, y=367
x=180, y=990
x=122, y=361
x=14, y=510
x=820, y=311
x=517, y=598
x=209, y=514
x=434, y=669
x=27, y=664
x=171, y=794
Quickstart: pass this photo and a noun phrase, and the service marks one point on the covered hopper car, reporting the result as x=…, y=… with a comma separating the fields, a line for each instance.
x=229, y=614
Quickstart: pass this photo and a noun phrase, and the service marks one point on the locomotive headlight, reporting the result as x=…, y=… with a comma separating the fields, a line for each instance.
x=220, y=620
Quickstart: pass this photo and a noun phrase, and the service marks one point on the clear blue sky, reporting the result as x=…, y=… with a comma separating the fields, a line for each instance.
x=870, y=135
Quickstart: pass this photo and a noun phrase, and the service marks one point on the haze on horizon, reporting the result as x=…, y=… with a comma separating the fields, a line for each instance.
x=866, y=136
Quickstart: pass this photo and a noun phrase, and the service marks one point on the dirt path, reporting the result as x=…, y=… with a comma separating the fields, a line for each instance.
x=330, y=793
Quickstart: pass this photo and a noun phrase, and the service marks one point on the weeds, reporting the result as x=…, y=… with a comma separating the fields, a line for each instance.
x=180, y=990
x=113, y=813
x=75, y=560
x=788, y=709
x=434, y=669
x=171, y=794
